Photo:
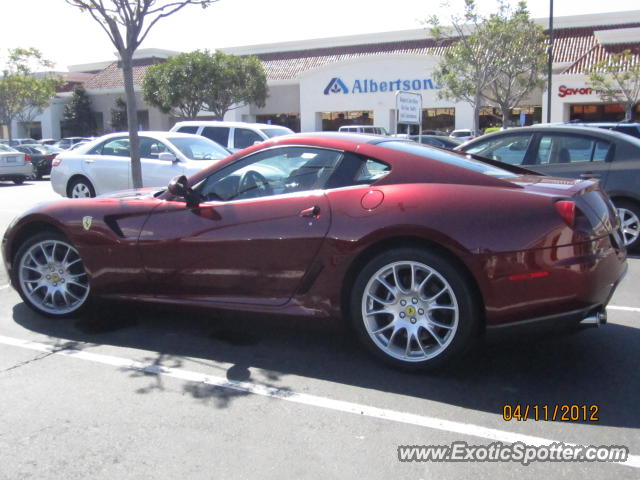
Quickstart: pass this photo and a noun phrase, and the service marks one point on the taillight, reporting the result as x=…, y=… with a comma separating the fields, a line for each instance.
x=567, y=210
x=56, y=161
x=27, y=158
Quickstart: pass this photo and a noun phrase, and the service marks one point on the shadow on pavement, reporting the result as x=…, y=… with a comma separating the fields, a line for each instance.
x=578, y=366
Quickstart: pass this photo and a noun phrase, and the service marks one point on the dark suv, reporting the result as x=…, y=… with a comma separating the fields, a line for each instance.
x=575, y=152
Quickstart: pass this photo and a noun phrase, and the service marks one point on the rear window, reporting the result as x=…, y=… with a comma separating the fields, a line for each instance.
x=275, y=132
x=188, y=129
x=444, y=156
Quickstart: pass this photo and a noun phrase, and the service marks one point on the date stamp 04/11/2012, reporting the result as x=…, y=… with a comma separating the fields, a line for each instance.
x=551, y=412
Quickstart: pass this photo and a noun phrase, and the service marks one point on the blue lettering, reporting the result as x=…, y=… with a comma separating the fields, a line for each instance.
x=373, y=86
x=416, y=84
x=357, y=88
x=406, y=85
x=383, y=86
x=428, y=84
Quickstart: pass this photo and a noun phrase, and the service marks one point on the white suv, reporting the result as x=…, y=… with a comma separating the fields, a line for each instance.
x=232, y=135
x=364, y=129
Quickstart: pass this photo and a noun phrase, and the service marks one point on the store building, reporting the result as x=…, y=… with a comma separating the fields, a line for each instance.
x=322, y=84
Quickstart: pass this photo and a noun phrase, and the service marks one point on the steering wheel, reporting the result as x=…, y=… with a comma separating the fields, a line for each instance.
x=253, y=184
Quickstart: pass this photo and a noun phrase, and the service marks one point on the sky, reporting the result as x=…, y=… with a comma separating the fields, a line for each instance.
x=68, y=37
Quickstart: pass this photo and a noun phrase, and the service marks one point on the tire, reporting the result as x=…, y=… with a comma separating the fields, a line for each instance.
x=19, y=180
x=81, y=188
x=629, y=213
x=49, y=275
x=427, y=324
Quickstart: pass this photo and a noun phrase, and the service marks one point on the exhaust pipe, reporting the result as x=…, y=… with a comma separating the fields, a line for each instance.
x=595, y=320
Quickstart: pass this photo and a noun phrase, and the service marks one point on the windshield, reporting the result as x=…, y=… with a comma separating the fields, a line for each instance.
x=199, y=148
x=444, y=156
x=276, y=132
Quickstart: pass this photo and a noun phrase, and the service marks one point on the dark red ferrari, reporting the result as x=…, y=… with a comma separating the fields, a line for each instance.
x=419, y=248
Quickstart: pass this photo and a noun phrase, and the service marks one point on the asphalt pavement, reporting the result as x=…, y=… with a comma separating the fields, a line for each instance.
x=141, y=392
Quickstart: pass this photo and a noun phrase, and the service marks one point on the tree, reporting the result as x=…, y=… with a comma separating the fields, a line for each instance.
x=23, y=93
x=617, y=80
x=522, y=64
x=127, y=23
x=119, y=115
x=78, y=117
x=200, y=80
x=498, y=59
x=467, y=67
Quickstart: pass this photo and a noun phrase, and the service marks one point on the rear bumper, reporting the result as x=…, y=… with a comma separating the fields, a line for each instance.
x=16, y=171
x=574, y=281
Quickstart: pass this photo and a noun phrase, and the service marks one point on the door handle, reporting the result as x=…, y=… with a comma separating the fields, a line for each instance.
x=590, y=175
x=310, y=212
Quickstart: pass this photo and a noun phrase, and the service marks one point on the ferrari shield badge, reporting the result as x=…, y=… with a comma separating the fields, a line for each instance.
x=86, y=222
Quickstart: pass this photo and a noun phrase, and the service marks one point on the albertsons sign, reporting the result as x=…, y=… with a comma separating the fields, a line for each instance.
x=369, y=85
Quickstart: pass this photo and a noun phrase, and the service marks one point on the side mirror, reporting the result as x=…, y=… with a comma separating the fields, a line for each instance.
x=168, y=157
x=179, y=187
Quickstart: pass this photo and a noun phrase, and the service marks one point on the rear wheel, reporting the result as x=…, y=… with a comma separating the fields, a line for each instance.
x=18, y=180
x=629, y=213
x=81, y=188
x=50, y=275
x=413, y=308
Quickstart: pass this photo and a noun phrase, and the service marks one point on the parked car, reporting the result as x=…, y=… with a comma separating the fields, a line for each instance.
x=575, y=152
x=68, y=142
x=41, y=157
x=632, y=129
x=14, y=165
x=104, y=165
x=436, y=141
x=370, y=129
x=47, y=141
x=435, y=132
x=463, y=135
x=232, y=135
x=17, y=141
x=420, y=248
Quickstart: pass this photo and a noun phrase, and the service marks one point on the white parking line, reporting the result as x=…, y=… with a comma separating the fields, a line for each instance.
x=626, y=309
x=300, y=398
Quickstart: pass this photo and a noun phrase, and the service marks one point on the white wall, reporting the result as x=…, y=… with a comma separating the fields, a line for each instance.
x=379, y=68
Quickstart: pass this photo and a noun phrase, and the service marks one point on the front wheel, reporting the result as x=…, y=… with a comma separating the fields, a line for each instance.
x=50, y=276
x=19, y=180
x=413, y=308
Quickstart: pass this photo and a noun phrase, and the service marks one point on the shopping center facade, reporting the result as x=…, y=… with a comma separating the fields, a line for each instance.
x=322, y=84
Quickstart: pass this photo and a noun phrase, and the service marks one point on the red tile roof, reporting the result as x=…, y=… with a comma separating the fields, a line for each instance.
x=111, y=77
x=577, y=46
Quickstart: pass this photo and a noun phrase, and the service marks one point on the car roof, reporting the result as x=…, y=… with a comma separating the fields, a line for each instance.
x=222, y=123
x=564, y=128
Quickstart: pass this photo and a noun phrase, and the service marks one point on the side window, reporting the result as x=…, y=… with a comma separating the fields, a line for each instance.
x=114, y=147
x=217, y=134
x=357, y=170
x=272, y=172
x=188, y=129
x=510, y=149
x=571, y=149
x=243, y=138
x=151, y=148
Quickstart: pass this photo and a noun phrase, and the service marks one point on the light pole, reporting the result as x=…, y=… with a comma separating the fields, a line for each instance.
x=550, y=60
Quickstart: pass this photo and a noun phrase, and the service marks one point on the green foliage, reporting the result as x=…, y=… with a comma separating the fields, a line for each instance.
x=78, y=117
x=119, y=115
x=499, y=59
x=491, y=129
x=23, y=93
x=200, y=80
x=617, y=80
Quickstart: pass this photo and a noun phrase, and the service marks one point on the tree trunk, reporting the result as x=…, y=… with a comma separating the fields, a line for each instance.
x=628, y=112
x=132, y=119
x=476, y=114
x=505, y=116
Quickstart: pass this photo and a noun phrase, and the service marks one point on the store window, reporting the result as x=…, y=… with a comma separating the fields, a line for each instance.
x=289, y=120
x=332, y=121
x=442, y=119
x=611, y=112
x=492, y=117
